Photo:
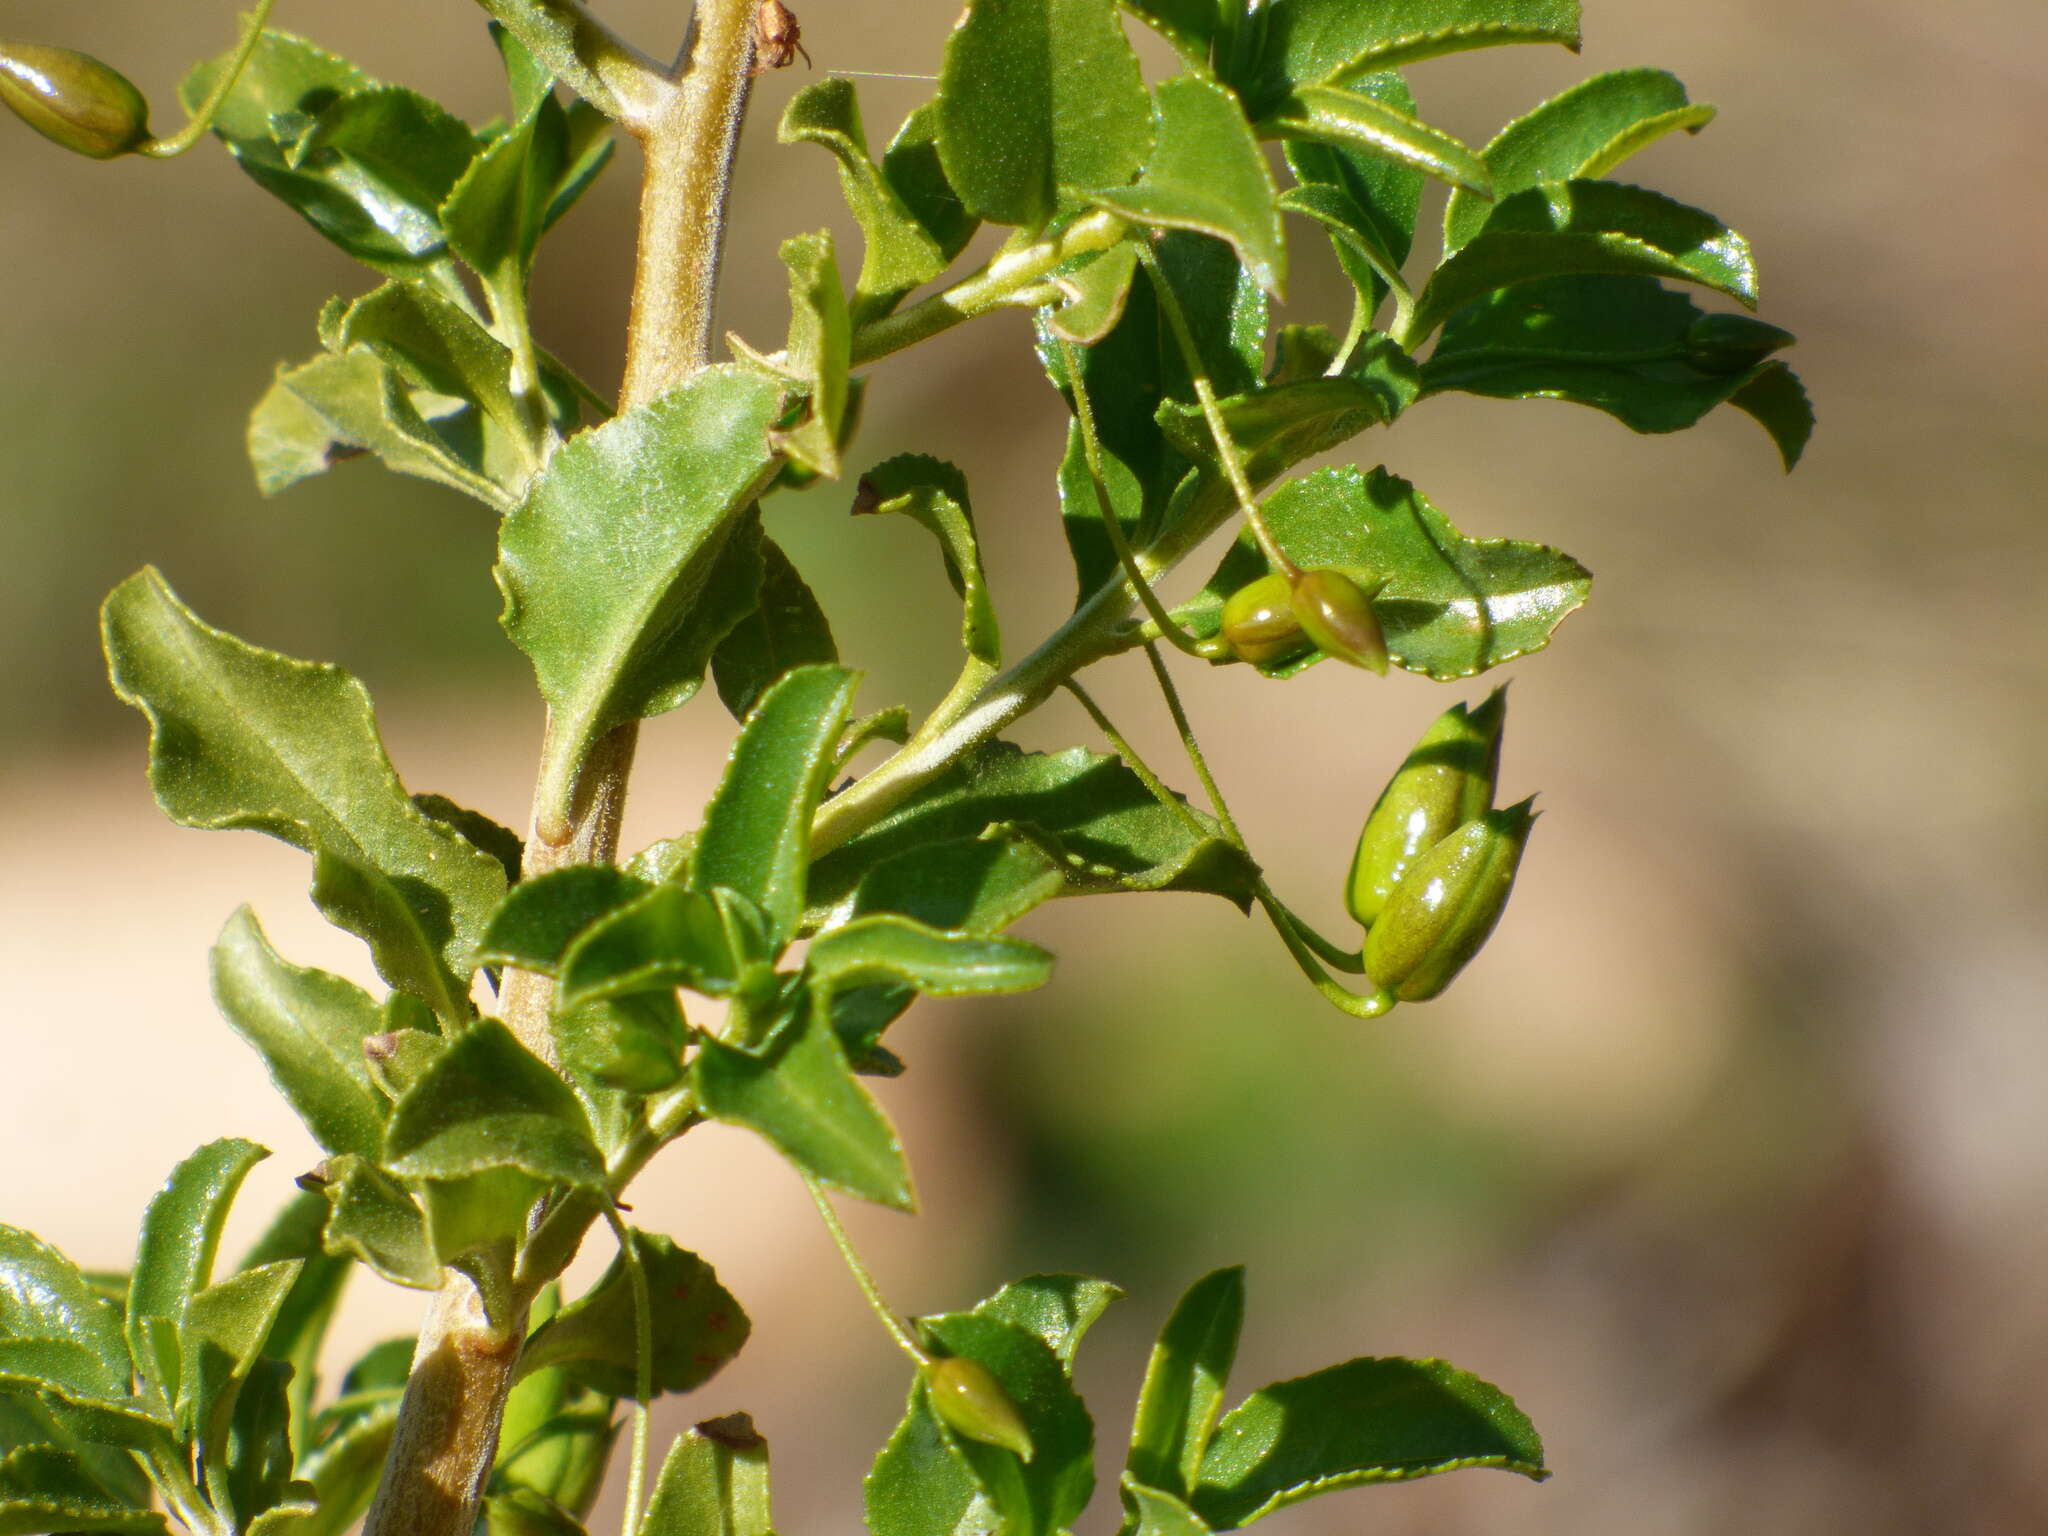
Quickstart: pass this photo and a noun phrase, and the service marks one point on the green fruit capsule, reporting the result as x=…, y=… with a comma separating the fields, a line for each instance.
x=1259, y=622
x=967, y=1397
x=1336, y=613
x=1447, y=904
x=1446, y=781
x=73, y=99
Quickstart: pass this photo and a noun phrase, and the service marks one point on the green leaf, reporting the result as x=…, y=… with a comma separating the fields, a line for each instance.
x=1184, y=1383
x=786, y=629
x=522, y=1512
x=43, y=1298
x=301, y=1326
x=341, y=406
x=921, y=1484
x=345, y=1466
x=522, y=182
x=900, y=254
x=1568, y=227
x=1355, y=120
x=1776, y=398
x=490, y=1103
x=1276, y=428
x=605, y=565
x=800, y=1094
x=478, y=830
x=47, y=1488
x=628, y=1045
x=242, y=737
x=556, y=1437
x=1045, y=1494
x=1583, y=133
x=1333, y=41
x=1207, y=175
x=819, y=352
x=1452, y=606
x=309, y=1027
x=1060, y=1309
x=674, y=936
x=366, y=165
x=698, y=1325
x=1154, y=1512
x=714, y=1482
x=1088, y=816
x=371, y=1218
x=174, y=1255
x=1096, y=287
x=886, y=948
x=757, y=829
x=27, y=1419
x=1366, y=1421
x=1189, y=25
x=258, y=1464
x=220, y=1339
x=979, y=886
x=1624, y=345
x=1037, y=96
x=542, y=917
x=912, y=168
x=934, y=494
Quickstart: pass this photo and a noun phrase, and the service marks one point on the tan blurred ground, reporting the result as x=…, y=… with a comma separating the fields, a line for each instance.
x=1728, y=1159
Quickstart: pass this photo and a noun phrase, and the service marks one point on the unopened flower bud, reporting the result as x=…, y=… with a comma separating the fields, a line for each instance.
x=1336, y=612
x=1446, y=905
x=967, y=1397
x=1259, y=621
x=1446, y=781
x=73, y=99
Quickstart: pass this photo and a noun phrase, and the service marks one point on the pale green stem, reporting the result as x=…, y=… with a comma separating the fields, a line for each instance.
x=643, y=1371
x=1191, y=746
x=594, y=61
x=1010, y=278
x=861, y=1277
x=1205, y=393
x=190, y=134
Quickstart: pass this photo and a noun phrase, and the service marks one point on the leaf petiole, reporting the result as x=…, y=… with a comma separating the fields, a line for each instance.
x=868, y=1289
x=195, y=129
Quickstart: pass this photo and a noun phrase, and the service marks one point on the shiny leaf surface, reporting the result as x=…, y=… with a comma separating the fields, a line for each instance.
x=886, y=948
x=175, y=1252
x=1355, y=120
x=543, y=916
x=1182, y=1396
x=489, y=1103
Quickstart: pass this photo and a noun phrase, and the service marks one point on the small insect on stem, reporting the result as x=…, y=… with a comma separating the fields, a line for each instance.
x=777, y=37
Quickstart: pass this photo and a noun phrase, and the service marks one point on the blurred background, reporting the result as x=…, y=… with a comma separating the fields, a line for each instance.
x=1728, y=1159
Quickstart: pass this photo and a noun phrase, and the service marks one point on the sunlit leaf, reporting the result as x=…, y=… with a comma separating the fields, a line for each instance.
x=933, y=493
x=714, y=1480
x=1361, y=122
x=488, y=1103
x=1182, y=1397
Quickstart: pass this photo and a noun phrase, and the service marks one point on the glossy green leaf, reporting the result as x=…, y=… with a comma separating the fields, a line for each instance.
x=1182, y=1397
x=757, y=829
x=1060, y=1309
x=1276, y=428
x=1562, y=228
x=522, y=1512
x=698, y=1325
x=1776, y=398
x=887, y=948
x=1190, y=25
x=1044, y=1495
x=258, y=1480
x=1090, y=816
x=1209, y=175
x=220, y=1339
x=27, y=1419
x=921, y=1484
x=1037, y=96
x=1331, y=41
x=819, y=353
x=367, y=165
x=786, y=629
x=175, y=1252
x=489, y=1103
x=605, y=566
x=802, y=1096
x=309, y=1027
x=47, y=1488
x=714, y=1482
x=1452, y=606
x=542, y=917
x=341, y=406
x=373, y=1219
x=915, y=173
x=302, y=1322
x=980, y=886
x=1155, y=1512
x=1355, y=120
x=242, y=737
x=1583, y=133
x=900, y=254
x=933, y=493
x=44, y=1299
x=1366, y=1421
x=674, y=936
x=1623, y=345
x=522, y=182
